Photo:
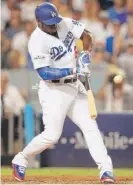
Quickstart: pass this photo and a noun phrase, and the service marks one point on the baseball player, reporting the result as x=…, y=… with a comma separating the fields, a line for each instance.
x=53, y=52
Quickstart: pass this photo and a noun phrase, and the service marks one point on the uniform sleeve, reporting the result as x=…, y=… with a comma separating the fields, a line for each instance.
x=39, y=55
x=40, y=60
x=75, y=27
x=48, y=73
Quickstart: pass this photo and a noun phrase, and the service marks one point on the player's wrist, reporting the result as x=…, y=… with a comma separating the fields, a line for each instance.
x=74, y=70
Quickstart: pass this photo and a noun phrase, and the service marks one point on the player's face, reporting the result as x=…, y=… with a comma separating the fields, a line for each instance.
x=49, y=28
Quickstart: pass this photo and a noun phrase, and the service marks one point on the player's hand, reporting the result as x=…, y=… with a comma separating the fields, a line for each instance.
x=83, y=64
x=84, y=59
x=84, y=71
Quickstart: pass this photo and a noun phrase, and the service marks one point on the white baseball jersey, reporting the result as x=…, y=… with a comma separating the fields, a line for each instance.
x=47, y=50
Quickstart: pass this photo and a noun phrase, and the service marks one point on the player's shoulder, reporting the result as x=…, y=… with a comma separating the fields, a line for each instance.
x=37, y=38
x=70, y=22
x=66, y=21
x=37, y=34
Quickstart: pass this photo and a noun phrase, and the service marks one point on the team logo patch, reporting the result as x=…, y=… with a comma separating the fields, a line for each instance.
x=53, y=14
x=57, y=53
x=39, y=57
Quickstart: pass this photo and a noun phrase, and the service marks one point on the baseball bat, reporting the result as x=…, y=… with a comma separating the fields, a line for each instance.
x=91, y=101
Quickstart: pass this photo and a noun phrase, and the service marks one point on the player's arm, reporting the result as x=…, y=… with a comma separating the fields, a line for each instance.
x=42, y=64
x=42, y=61
x=87, y=40
x=84, y=57
x=79, y=31
x=49, y=73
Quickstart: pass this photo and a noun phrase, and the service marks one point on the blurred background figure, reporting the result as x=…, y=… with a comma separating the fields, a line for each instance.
x=114, y=91
x=106, y=25
x=77, y=14
x=12, y=106
x=14, y=25
x=129, y=6
x=6, y=9
x=5, y=49
x=93, y=22
x=114, y=41
x=78, y=4
x=118, y=11
x=14, y=59
x=99, y=55
x=125, y=61
x=20, y=40
x=99, y=71
x=118, y=93
x=27, y=10
x=64, y=9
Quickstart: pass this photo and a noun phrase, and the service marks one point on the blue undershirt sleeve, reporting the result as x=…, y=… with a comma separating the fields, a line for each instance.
x=49, y=73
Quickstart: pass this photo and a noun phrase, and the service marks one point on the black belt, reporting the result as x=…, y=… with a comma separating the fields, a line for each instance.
x=71, y=80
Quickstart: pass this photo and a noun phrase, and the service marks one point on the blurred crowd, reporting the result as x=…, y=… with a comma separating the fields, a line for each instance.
x=111, y=23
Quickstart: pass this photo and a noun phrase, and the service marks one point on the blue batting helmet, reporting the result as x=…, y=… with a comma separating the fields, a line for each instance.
x=47, y=13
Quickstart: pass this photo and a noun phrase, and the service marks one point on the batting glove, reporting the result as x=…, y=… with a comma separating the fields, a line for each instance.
x=84, y=59
x=83, y=64
x=84, y=71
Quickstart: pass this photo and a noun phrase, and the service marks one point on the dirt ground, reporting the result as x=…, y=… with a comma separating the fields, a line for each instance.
x=62, y=180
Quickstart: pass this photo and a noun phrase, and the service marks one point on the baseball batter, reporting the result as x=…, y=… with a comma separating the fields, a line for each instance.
x=53, y=52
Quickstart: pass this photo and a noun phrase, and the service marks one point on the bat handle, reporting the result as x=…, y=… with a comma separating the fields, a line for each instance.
x=87, y=82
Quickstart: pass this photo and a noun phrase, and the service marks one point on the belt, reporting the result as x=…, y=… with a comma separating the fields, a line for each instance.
x=70, y=80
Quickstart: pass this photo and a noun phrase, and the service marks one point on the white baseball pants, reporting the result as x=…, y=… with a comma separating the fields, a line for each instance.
x=57, y=101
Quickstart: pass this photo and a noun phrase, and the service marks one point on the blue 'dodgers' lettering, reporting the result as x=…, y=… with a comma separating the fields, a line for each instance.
x=57, y=52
